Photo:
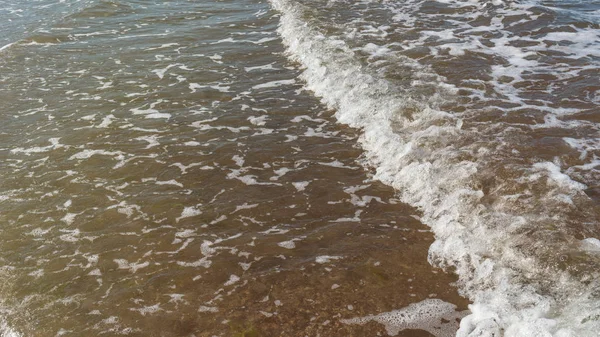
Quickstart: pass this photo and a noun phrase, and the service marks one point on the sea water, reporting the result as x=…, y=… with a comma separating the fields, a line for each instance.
x=299, y=168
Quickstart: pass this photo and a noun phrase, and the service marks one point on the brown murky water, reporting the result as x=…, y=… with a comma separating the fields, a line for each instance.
x=160, y=180
x=178, y=169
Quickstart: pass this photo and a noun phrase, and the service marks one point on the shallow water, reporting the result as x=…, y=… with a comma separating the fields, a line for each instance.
x=166, y=174
x=178, y=169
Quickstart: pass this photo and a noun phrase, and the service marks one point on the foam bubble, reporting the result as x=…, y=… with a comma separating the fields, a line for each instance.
x=326, y=258
x=203, y=262
x=287, y=244
x=274, y=84
x=188, y=212
x=591, y=244
x=301, y=185
x=132, y=267
x=39, y=149
x=147, y=310
x=69, y=218
x=8, y=331
x=169, y=182
x=208, y=309
x=85, y=154
x=432, y=315
x=232, y=280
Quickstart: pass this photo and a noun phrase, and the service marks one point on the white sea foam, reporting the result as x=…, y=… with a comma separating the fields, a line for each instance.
x=152, y=141
x=6, y=46
x=161, y=72
x=301, y=185
x=287, y=244
x=131, y=266
x=204, y=308
x=244, y=206
x=591, y=244
x=417, y=154
x=150, y=309
x=170, y=182
x=259, y=121
x=8, y=331
x=232, y=280
x=69, y=218
x=232, y=40
x=188, y=212
x=151, y=112
x=261, y=68
x=106, y=121
x=203, y=262
x=326, y=259
x=85, y=154
x=274, y=84
x=54, y=144
x=432, y=315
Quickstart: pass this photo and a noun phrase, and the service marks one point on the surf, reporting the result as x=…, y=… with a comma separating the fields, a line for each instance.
x=515, y=261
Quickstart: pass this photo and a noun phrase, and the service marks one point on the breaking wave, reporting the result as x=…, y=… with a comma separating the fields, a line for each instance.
x=516, y=227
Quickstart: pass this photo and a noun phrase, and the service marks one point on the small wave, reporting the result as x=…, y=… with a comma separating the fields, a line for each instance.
x=505, y=223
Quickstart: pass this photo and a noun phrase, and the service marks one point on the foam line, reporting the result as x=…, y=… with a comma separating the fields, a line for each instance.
x=416, y=148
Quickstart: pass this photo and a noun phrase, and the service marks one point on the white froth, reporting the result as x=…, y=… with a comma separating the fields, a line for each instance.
x=219, y=87
x=287, y=244
x=239, y=161
x=54, y=144
x=232, y=280
x=6, y=46
x=39, y=232
x=559, y=178
x=261, y=68
x=219, y=219
x=184, y=168
x=275, y=230
x=245, y=266
x=299, y=119
x=161, y=72
x=337, y=163
x=291, y=138
x=247, y=179
x=274, y=84
x=591, y=244
x=259, y=121
x=208, y=309
x=232, y=40
x=244, y=206
x=192, y=143
x=152, y=141
x=85, y=154
x=5, y=329
x=188, y=212
x=301, y=185
x=326, y=258
x=407, y=156
x=151, y=309
x=132, y=267
x=69, y=218
x=71, y=236
x=432, y=315
x=203, y=262
x=158, y=116
x=95, y=272
x=170, y=182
